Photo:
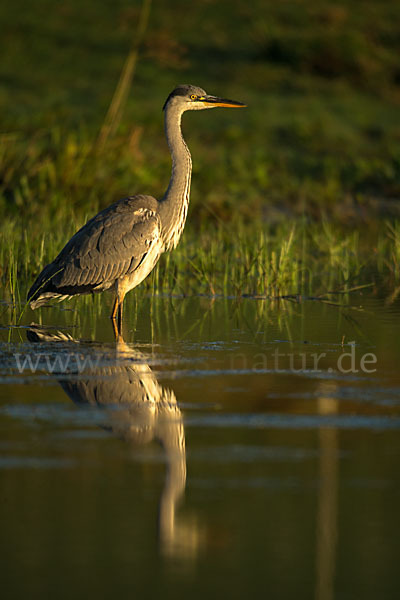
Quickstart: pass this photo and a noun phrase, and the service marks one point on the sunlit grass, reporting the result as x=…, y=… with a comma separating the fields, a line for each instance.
x=274, y=186
x=234, y=261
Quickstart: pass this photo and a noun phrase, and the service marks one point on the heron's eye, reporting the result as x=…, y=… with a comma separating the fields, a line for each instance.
x=193, y=97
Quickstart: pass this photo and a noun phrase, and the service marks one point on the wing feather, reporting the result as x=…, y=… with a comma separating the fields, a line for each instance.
x=110, y=245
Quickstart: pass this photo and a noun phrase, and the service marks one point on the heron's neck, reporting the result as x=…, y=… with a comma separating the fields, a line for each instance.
x=175, y=202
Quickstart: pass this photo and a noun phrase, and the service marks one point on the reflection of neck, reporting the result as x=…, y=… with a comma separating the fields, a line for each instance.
x=174, y=204
x=171, y=434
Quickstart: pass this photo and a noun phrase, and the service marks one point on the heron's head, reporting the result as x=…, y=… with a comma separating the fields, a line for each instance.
x=191, y=97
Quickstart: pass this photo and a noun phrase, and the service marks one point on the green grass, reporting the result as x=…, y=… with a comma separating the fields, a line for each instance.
x=300, y=258
x=275, y=187
x=321, y=134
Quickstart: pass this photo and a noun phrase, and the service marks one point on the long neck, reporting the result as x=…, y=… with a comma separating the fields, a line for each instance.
x=175, y=202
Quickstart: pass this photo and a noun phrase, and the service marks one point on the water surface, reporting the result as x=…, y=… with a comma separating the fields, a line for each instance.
x=221, y=448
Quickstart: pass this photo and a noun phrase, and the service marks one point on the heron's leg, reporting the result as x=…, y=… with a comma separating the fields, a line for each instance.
x=113, y=315
x=120, y=312
x=115, y=330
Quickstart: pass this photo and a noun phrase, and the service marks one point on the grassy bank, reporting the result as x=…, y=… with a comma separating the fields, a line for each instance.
x=278, y=189
x=321, y=134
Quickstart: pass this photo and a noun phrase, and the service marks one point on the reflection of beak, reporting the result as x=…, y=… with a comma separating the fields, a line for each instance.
x=214, y=101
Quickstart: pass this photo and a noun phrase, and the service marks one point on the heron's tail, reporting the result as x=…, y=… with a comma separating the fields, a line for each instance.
x=44, y=288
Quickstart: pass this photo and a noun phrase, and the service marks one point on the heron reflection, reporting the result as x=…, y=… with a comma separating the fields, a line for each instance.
x=138, y=410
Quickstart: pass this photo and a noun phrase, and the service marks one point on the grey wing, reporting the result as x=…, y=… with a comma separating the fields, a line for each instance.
x=109, y=246
x=113, y=248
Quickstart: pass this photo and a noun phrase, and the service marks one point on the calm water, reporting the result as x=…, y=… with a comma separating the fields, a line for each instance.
x=222, y=449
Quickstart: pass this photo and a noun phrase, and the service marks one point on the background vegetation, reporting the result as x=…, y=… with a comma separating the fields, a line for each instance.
x=319, y=143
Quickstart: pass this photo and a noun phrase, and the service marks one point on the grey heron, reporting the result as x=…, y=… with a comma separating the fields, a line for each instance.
x=119, y=247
